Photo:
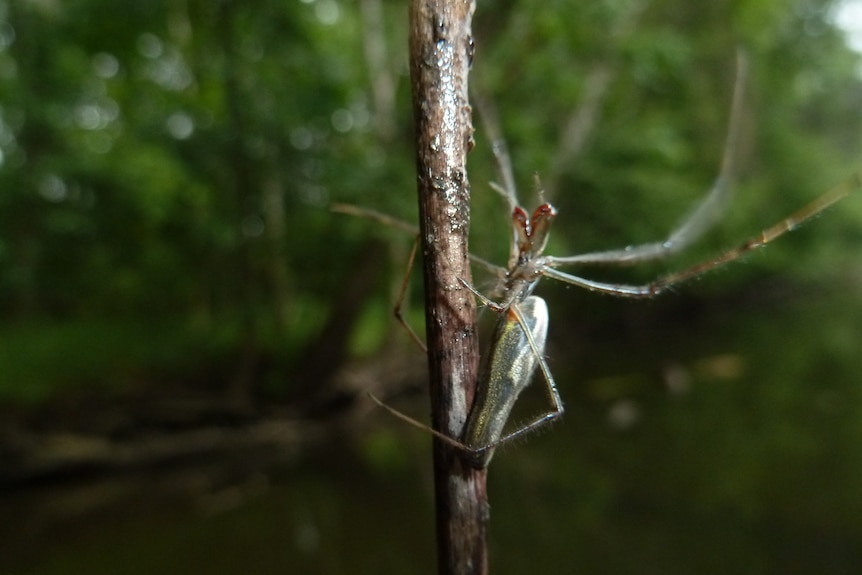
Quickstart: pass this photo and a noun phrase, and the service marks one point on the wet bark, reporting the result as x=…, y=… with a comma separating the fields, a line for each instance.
x=440, y=53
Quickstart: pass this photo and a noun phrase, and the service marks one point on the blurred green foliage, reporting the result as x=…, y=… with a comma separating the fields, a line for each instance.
x=172, y=163
x=166, y=172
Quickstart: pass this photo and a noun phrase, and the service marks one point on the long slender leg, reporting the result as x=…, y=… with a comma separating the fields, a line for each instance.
x=704, y=215
x=403, y=226
x=790, y=223
x=491, y=123
x=793, y=221
x=508, y=189
x=424, y=427
x=405, y=282
x=368, y=214
x=402, y=294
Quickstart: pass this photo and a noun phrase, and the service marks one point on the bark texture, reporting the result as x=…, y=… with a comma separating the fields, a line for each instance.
x=441, y=48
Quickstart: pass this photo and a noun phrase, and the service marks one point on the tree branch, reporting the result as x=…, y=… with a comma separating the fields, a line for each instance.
x=440, y=54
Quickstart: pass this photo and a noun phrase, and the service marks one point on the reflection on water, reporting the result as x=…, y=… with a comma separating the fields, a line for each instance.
x=739, y=452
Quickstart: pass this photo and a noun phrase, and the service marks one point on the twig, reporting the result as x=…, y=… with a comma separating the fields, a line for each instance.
x=440, y=54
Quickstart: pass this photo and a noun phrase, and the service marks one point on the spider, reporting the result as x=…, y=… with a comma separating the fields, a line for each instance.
x=517, y=345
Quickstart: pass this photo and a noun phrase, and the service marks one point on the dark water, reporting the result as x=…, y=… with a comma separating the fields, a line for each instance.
x=723, y=443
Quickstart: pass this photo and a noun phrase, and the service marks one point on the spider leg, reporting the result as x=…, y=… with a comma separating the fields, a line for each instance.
x=491, y=123
x=653, y=288
x=402, y=294
x=419, y=425
x=702, y=217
